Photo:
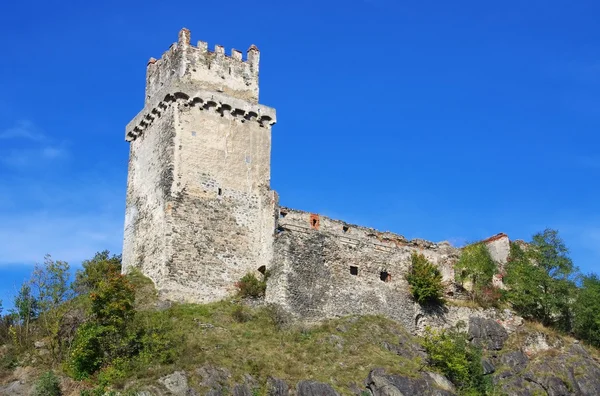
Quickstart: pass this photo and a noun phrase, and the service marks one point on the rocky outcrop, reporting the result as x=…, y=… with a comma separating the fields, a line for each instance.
x=487, y=333
x=313, y=388
x=382, y=384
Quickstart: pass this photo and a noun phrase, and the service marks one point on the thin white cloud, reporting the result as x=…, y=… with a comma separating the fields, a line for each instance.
x=27, y=238
x=37, y=150
x=23, y=129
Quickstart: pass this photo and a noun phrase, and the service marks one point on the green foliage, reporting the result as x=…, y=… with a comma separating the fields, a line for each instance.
x=587, y=311
x=476, y=266
x=25, y=311
x=95, y=270
x=115, y=339
x=87, y=352
x=425, y=281
x=112, y=300
x=540, y=280
x=47, y=385
x=450, y=352
x=251, y=286
x=50, y=282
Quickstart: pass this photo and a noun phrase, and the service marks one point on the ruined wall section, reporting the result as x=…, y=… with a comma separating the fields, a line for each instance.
x=324, y=268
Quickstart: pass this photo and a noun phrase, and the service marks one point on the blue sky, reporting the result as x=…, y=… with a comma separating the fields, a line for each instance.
x=432, y=119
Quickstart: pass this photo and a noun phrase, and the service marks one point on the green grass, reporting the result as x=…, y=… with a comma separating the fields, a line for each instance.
x=214, y=335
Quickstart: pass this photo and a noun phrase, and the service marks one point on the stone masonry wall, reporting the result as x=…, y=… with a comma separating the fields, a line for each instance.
x=200, y=154
x=149, y=183
x=324, y=268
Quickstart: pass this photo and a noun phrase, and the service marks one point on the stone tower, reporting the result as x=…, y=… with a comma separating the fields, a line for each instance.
x=199, y=211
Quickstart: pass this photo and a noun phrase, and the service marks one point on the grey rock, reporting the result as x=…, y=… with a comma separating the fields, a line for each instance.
x=488, y=367
x=17, y=388
x=242, y=390
x=381, y=384
x=176, y=383
x=277, y=387
x=313, y=388
x=516, y=360
x=213, y=377
x=442, y=382
x=487, y=333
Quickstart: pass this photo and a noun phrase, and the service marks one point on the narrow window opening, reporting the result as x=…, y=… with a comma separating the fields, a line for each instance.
x=314, y=221
x=282, y=213
x=345, y=228
x=262, y=269
x=279, y=230
x=220, y=192
x=384, y=276
x=353, y=270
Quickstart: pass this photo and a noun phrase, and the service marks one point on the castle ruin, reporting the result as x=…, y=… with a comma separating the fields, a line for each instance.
x=200, y=212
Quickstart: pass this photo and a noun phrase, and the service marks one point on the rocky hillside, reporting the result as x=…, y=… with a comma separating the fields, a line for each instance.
x=242, y=348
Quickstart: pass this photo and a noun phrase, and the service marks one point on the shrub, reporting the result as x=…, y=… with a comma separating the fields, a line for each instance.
x=47, y=385
x=451, y=353
x=251, y=286
x=241, y=315
x=477, y=266
x=425, y=281
x=87, y=352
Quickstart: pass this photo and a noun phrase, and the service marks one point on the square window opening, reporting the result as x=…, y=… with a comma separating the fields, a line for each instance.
x=353, y=270
x=384, y=276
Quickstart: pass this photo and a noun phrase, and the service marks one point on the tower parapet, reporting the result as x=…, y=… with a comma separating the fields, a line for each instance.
x=201, y=68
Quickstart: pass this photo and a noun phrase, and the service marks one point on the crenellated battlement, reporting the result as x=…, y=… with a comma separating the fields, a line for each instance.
x=201, y=68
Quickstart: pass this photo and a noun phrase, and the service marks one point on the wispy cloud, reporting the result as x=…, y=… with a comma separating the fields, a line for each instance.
x=23, y=129
x=28, y=237
x=27, y=146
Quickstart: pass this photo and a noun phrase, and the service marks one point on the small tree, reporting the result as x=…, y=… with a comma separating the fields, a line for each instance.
x=104, y=337
x=50, y=282
x=425, y=281
x=587, y=311
x=26, y=309
x=459, y=360
x=477, y=266
x=540, y=280
x=251, y=286
x=47, y=385
x=95, y=270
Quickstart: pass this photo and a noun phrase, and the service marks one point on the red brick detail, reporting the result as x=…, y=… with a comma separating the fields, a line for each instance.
x=315, y=221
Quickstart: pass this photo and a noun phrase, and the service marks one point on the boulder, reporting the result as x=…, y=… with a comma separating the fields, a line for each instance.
x=487, y=333
x=313, y=388
x=277, y=387
x=176, y=383
x=381, y=384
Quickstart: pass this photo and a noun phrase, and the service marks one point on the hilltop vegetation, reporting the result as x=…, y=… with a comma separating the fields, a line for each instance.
x=109, y=332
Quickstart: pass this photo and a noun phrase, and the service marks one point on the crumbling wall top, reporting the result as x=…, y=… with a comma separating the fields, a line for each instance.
x=201, y=68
